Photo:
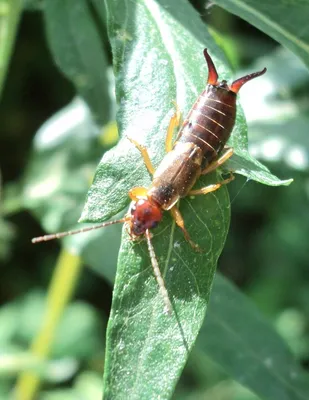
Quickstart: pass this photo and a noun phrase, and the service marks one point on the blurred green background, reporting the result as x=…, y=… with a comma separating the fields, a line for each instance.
x=266, y=253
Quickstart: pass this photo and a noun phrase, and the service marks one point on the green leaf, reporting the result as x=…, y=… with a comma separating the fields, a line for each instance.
x=10, y=12
x=61, y=166
x=65, y=152
x=242, y=342
x=77, y=49
x=283, y=20
x=156, y=61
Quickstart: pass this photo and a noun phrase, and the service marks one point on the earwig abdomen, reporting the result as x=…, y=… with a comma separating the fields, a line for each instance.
x=210, y=122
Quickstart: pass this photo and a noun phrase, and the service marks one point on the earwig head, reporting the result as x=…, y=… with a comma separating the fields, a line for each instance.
x=144, y=215
x=236, y=85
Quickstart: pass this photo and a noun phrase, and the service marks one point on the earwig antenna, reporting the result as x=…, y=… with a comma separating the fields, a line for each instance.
x=236, y=85
x=59, y=235
x=212, y=72
x=157, y=273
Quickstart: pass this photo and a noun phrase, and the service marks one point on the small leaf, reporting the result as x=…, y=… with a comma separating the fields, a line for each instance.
x=284, y=21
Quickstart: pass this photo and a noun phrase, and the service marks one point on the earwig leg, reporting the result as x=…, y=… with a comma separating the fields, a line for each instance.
x=145, y=155
x=221, y=160
x=174, y=123
x=211, y=188
x=137, y=193
x=180, y=222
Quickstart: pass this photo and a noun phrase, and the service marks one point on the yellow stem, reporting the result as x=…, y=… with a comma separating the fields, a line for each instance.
x=63, y=283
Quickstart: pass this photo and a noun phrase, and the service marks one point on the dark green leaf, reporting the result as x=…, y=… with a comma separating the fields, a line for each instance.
x=283, y=20
x=78, y=51
x=243, y=343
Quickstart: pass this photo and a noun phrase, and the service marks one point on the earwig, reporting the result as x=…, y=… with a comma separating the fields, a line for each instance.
x=200, y=148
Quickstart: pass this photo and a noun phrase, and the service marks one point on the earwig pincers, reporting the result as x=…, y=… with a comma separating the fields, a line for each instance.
x=200, y=147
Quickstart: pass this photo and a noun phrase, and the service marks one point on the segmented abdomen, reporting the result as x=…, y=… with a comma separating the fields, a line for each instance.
x=210, y=122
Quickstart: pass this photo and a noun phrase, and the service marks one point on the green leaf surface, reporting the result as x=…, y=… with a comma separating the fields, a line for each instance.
x=10, y=12
x=284, y=20
x=243, y=343
x=157, y=60
x=77, y=49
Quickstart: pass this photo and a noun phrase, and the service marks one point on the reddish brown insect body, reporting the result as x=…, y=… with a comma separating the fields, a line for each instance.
x=199, y=149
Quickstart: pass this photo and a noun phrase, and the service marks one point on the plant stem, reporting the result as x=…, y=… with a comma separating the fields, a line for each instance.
x=64, y=280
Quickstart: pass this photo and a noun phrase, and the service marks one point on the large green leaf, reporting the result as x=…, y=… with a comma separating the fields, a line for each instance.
x=77, y=49
x=236, y=335
x=283, y=20
x=157, y=60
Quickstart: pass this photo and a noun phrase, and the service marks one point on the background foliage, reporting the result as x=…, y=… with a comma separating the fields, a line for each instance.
x=51, y=143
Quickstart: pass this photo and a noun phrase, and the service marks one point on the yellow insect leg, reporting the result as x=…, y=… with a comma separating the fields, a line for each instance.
x=144, y=154
x=137, y=193
x=211, y=188
x=174, y=123
x=180, y=222
x=221, y=160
